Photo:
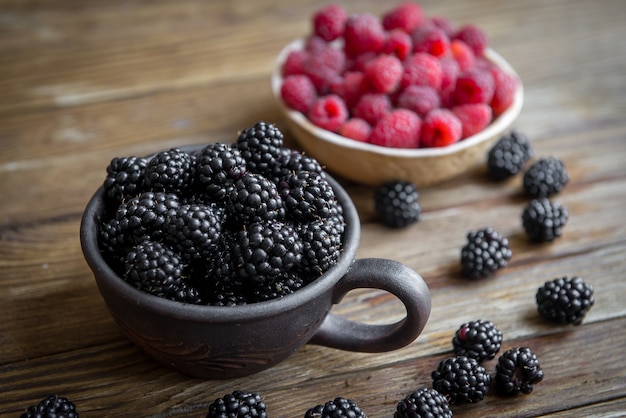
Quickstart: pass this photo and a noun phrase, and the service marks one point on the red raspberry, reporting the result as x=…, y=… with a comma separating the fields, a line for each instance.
x=440, y=128
x=324, y=66
x=356, y=129
x=444, y=24
x=329, y=21
x=475, y=85
x=504, y=94
x=474, y=117
x=298, y=92
x=431, y=40
x=371, y=107
x=294, y=63
x=474, y=37
x=463, y=54
x=398, y=129
x=398, y=43
x=359, y=63
x=421, y=69
x=383, y=73
x=350, y=87
x=450, y=70
x=328, y=112
x=419, y=99
x=406, y=16
x=363, y=33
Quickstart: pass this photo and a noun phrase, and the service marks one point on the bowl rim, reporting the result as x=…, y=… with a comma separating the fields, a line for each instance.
x=497, y=126
x=105, y=276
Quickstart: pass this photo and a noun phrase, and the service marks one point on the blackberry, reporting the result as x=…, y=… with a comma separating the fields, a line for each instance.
x=239, y=404
x=517, y=371
x=156, y=269
x=255, y=198
x=396, y=203
x=545, y=177
x=113, y=243
x=292, y=161
x=52, y=407
x=321, y=242
x=260, y=145
x=508, y=155
x=277, y=288
x=124, y=179
x=307, y=196
x=218, y=166
x=193, y=231
x=565, y=300
x=485, y=252
x=461, y=379
x=338, y=408
x=479, y=340
x=543, y=220
x=145, y=215
x=170, y=171
x=423, y=403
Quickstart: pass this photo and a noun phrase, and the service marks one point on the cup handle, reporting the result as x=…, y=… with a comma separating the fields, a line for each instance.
x=393, y=277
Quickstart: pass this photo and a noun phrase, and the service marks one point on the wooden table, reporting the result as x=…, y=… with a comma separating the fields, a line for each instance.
x=82, y=82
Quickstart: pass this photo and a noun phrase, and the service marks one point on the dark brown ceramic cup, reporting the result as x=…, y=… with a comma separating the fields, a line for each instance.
x=226, y=342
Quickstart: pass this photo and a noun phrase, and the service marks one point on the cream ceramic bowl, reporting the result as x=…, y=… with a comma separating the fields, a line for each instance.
x=373, y=164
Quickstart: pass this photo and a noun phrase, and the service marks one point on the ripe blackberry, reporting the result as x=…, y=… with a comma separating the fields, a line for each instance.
x=565, y=300
x=240, y=404
x=424, y=403
x=277, y=288
x=170, y=171
x=517, y=371
x=52, y=407
x=113, y=243
x=321, y=242
x=260, y=146
x=145, y=215
x=255, y=198
x=461, y=379
x=124, y=179
x=479, y=340
x=193, y=231
x=543, y=220
x=485, y=252
x=507, y=157
x=546, y=177
x=338, y=408
x=218, y=166
x=307, y=196
x=154, y=268
x=291, y=161
x=396, y=203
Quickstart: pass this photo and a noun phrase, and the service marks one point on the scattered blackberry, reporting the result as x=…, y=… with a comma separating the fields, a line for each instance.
x=337, y=408
x=321, y=242
x=145, y=215
x=307, y=196
x=424, y=403
x=396, y=203
x=543, y=220
x=217, y=168
x=508, y=155
x=156, y=269
x=125, y=178
x=170, y=171
x=255, y=198
x=239, y=404
x=461, y=379
x=485, y=252
x=52, y=407
x=479, y=340
x=565, y=300
x=260, y=145
x=546, y=177
x=517, y=371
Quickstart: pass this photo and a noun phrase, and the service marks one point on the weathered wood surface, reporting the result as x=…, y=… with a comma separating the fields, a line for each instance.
x=83, y=82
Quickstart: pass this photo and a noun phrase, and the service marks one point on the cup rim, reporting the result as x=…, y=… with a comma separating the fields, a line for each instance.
x=106, y=277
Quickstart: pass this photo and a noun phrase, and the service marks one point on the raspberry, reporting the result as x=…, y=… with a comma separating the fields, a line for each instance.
x=298, y=92
x=396, y=203
x=479, y=339
x=52, y=406
x=238, y=404
x=357, y=129
x=363, y=33
x=419, y=99
x=565, y=300
x=474, y=37
x=508, y=155
x=463, y=54
x=350, y=87
x=384, y=73
x=422, y=69
x=406, y=16
x=372, y=107
x=505, y=89
x=543, y=220
x=337, y=408
x=450, y=71
x=444, y=24
x=440, y=128
x=461, y=380
x=423, y=403
x=294, y=63
x=485, y=252
x=329, y=112
x=474, y=117
x=474, y=86
x=329, y=21
x=546, y=177
x=398, y=129
x=324, y=66
x=398, y=43
x=517, y=371
x=431, y=40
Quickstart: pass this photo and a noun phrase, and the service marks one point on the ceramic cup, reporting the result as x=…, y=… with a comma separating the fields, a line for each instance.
x=216, y=342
